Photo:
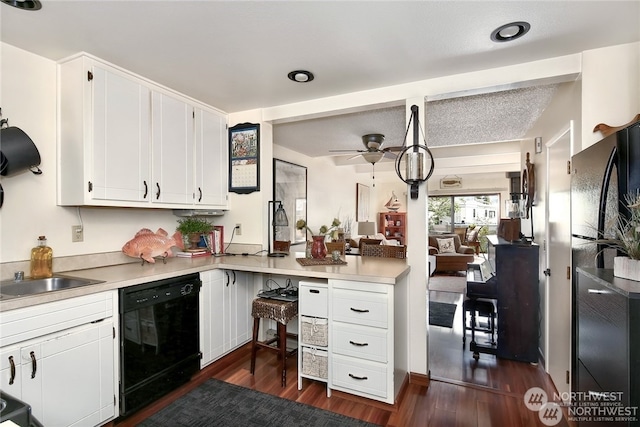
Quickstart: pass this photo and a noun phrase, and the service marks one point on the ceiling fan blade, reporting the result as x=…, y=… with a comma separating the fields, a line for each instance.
x=390, y=155
x=396, y=148
x=353, y=157
x=346, y=151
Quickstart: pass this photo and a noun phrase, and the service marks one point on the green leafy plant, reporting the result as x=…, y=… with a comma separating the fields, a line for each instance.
x=301, y=224
x=627, y=230
x=194, y=224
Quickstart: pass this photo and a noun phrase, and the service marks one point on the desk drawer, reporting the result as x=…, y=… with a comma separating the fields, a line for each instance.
x=360, y=341
x=313, y=299
x=361, y=308
x=359, y=375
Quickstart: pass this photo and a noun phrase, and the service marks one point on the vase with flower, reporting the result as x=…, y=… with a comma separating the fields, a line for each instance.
x=318, y=248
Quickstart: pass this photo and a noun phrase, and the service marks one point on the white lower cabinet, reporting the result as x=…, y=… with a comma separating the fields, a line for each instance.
x=360, y=351
x=68, y=377
x=313, y=332
x=225, y=316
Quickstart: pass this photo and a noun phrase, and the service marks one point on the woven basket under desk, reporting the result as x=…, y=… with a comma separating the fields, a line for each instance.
x=315, y=331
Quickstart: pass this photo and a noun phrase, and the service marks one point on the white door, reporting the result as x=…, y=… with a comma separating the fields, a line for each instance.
x=558, y=260
x=230, y=291
x=121, y=137
x=172, y=139
x=211, y=167
x=211, y=316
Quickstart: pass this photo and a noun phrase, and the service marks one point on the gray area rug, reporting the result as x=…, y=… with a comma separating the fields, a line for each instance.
x=216, y=403
x=441, y=314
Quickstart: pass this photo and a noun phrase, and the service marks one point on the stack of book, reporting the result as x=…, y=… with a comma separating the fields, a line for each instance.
x=193, y=253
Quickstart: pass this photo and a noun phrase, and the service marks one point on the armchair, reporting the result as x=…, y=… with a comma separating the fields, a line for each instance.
x=449, y=253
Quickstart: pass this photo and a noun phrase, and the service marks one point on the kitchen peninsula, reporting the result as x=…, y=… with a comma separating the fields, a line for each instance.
x=363, y=278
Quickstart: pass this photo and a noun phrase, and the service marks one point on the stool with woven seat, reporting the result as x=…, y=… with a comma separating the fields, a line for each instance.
x=281, y=312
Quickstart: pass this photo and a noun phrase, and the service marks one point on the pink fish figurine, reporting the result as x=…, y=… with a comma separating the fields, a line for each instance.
x=147, y=244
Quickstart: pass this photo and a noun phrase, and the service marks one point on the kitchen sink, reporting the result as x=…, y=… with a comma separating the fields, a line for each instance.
x=12, y=288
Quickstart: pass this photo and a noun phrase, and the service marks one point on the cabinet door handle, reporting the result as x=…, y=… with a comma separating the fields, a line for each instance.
x=597, y=291
x=234, y=276
x=34, y=364
x=359, y=344
x=200, y=193
x=13, y=370
x=146, y=189
x=359, y=310
x=227, y=273
x=355, y=377
x=314, y=291
x=158, y=192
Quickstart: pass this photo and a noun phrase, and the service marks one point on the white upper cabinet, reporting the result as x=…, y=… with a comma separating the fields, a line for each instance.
x=126, y=141
x=211, y=159
x=173, y=144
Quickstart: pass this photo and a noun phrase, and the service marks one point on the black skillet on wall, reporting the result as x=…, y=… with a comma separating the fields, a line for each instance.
x=17, y=153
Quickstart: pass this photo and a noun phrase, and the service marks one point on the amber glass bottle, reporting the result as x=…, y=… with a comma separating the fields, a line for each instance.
x=41, y=260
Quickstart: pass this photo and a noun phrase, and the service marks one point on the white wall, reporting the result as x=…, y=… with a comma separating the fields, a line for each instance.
x=610, y=87
x=28, y=100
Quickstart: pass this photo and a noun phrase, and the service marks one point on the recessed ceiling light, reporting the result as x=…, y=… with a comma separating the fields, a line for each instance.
x=300, y=76
x=512, y=31
x=24, y=4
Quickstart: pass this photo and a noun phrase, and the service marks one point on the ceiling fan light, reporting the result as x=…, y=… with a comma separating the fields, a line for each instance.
x=373, y=156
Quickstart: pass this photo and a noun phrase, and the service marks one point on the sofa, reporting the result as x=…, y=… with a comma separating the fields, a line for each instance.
x=450, y=254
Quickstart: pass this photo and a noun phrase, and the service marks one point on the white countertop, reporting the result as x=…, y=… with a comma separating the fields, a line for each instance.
x=362, y=269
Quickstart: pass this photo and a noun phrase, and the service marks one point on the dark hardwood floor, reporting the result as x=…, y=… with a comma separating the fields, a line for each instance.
x=462, y=391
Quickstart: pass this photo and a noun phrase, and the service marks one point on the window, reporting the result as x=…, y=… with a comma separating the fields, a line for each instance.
x=448, y=212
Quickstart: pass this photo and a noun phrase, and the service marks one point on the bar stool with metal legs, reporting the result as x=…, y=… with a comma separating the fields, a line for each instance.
x=281, y=312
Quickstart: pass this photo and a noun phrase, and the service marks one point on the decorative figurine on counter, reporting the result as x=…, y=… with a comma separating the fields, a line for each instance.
x=146, y=245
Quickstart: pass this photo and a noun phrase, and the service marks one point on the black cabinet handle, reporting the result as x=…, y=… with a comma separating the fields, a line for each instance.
x=227, y=274
x=314, y=291
x=146, y=189
x=359, y=344
x=358, y=378
x=13, y=370
x=359, y=310
x=234, y=276
x=34, y=364
x=158, y=192
x=200, y=192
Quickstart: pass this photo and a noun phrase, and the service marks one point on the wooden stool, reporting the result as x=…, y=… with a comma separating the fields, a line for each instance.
x=281, y=312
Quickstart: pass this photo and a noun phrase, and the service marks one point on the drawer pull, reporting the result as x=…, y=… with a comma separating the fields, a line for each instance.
x=358, y=378
x=359, y=344
x=314, y=291
x=34, y=364
x=358, y=310
x=597, y=291
x=13, y=370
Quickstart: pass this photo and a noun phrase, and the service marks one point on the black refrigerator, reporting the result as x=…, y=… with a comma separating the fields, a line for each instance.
x=602, y=175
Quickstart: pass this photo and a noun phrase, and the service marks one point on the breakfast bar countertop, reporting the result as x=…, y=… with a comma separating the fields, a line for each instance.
x=360, y=269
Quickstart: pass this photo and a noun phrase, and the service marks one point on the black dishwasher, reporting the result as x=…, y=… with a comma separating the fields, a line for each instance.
x=159, y=339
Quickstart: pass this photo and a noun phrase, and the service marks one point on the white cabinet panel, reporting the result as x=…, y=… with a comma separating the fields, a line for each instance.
x=211, y=173
x=359, y=376
x=172, y=139
x=211, y=316
x=360, y=341
x=362, y=308
x=121, y=138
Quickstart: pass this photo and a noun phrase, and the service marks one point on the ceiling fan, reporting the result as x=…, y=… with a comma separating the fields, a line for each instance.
x=373, y=153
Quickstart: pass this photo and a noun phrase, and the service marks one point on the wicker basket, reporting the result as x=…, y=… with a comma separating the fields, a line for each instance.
x=315, y=362
x=315, y=331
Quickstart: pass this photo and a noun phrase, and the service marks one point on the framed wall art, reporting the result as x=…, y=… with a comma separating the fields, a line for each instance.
x=244, y=158
x=290, y=187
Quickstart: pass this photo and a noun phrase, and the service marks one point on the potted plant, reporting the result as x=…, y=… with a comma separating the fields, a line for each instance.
x=627, y=240
x=193, y=228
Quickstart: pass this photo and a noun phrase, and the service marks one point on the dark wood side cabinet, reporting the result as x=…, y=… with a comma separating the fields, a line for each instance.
x=518, y=298
x=606, y=341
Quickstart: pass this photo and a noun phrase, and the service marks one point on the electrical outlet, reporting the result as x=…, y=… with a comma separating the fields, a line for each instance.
x=239, y=229
x=77, y=233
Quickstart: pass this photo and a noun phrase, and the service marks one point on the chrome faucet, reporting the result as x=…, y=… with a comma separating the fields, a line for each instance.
x=18, y=276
